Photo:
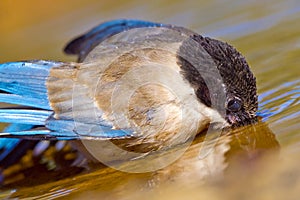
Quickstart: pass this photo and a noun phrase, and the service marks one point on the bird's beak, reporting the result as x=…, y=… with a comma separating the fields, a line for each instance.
x=239, y=119
x=232, y=119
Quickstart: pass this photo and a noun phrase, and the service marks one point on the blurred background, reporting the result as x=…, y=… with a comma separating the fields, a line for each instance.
x=266, y=32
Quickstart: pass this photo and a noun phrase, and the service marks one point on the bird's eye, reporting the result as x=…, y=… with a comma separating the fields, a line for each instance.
x=234, y=105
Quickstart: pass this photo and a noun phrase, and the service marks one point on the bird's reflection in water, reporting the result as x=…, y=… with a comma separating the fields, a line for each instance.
x=208, y=159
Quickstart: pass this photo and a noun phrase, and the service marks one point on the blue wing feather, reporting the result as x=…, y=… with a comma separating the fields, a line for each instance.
x=61, y=135
x=86, y=130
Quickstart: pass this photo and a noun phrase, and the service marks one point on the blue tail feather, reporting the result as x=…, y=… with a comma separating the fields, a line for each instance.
x=24, y=116
x=24, y=101
x=26, y=80
x=85, y=130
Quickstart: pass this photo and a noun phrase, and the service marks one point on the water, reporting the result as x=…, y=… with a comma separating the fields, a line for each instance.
x=266, y=32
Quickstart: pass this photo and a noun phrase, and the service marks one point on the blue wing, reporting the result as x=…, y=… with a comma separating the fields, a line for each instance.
x=82, y=45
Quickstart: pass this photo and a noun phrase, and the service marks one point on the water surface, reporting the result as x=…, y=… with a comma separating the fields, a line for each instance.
x=266, y=32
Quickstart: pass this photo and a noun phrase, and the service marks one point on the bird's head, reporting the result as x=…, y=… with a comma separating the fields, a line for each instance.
x=236, y=95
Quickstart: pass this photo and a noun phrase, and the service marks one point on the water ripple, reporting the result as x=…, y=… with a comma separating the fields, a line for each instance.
x=280, y=101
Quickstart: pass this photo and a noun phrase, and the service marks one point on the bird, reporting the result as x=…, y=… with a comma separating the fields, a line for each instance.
x=142, y=85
